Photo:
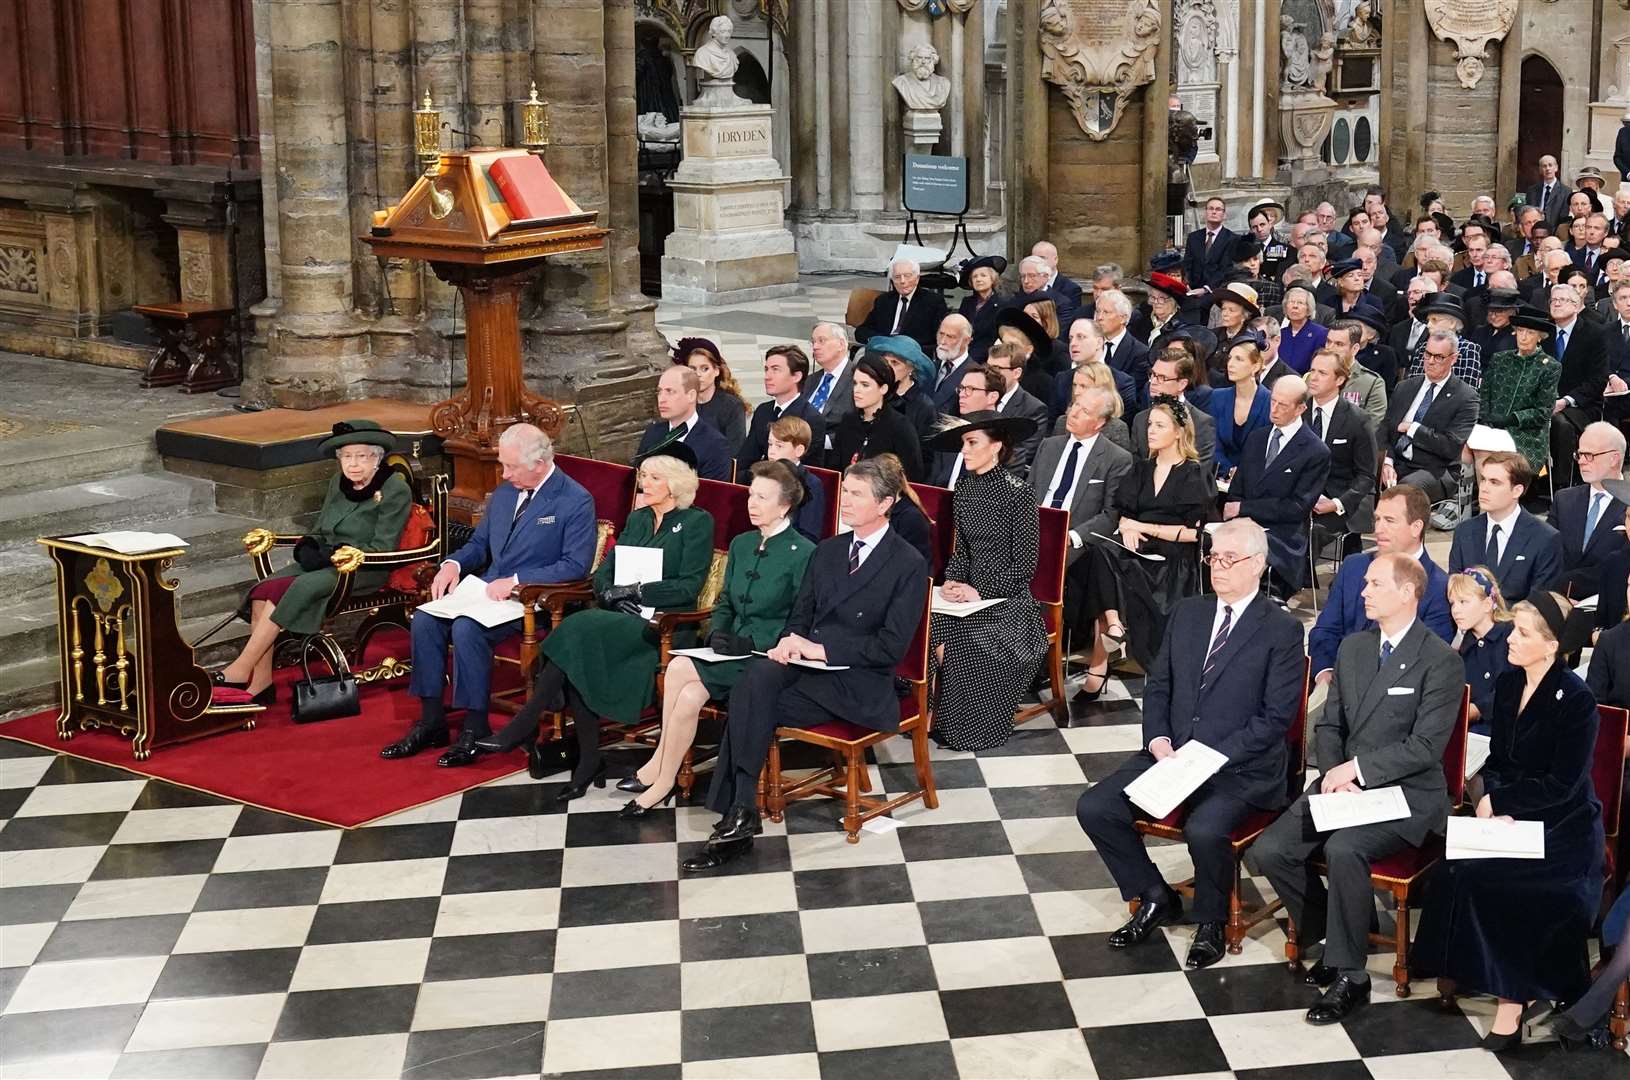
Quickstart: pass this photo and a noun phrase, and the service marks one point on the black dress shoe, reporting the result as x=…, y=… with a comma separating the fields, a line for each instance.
x=1339, y=1002
x=1150, y=916
x=632, y=785
x=634, y=809
x=462, y=752
x=1320, y=975
x=741, y=823
x=1500, y=1044
x=1208, y=947
x=513, y=734
x=417, y=739
x=578, y=790
x=266, y=697
x=716, y=855
x=1572, y=1034
x=219, y=679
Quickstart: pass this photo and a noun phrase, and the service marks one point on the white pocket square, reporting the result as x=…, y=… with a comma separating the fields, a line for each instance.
x=1099, y=480
x=1338, y=442
x=1399, y=691
x=1287, y=472
x=1520, y=558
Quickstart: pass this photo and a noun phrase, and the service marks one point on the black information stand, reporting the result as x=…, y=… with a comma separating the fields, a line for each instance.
x=937, y=186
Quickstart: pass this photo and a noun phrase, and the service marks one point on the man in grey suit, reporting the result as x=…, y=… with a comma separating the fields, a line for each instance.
x=1392, y=706
x=1550, y=195
x=1173, y=375
x=831, y=390
x=1081, y=472
x=1008, y=363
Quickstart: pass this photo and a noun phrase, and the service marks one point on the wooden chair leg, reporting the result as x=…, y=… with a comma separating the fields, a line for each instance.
x=1055, y=675
x=778, y=798
x=1400, y=963
x=864, y=774
x=687, y=775
x=1619, y=1024
x=1235, y=933
x=1293, y=952
x=764, y=803
x=925, y=766
x=1446, y=992
x=854, y=767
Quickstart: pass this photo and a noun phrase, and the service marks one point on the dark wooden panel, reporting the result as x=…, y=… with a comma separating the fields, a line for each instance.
x=152, y=119
x=99, y=56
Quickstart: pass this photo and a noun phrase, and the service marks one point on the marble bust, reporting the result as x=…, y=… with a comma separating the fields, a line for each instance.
x=919, y=87
x=714, y=58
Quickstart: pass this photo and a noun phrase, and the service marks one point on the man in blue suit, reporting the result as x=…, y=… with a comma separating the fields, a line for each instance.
x=538, y=527
x=1281, y=475
x=1230, y=675
x=951, y=362
x=1401, y=514
x=679, y=421
x=1205, y=255
x=1588, y=517
x=1523, y=551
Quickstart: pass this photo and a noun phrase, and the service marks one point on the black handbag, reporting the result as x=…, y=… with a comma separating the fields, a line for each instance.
x=325, y=697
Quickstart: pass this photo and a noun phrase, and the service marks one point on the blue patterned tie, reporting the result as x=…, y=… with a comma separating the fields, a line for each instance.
x=818, y=399
x=1273, y=445
x=854, y=554
x=1561, y=343
x=1386, y=652
x=1217, y=645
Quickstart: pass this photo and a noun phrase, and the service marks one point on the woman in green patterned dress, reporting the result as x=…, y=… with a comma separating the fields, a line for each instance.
x=1520, y=387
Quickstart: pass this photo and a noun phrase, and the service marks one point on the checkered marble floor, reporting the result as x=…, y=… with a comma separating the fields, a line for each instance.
x=150, y=930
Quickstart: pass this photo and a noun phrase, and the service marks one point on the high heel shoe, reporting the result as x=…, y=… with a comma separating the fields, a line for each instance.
x=267, y=696
x=577, y=791
x=1499, y=1044
x=1084, y=696
x=1570, y=1033
x=632, y=809
x=633, y=785
x=512, y=735
x=1116, y=636
x=219, y=679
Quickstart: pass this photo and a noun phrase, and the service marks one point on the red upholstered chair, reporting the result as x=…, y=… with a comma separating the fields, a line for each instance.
x=611, y=485
x=1398, y=872
x=846, y=778
x=1047, y=586
x=1607, y=774
x=1170, y=827
x=830, y=480
x=937, y=504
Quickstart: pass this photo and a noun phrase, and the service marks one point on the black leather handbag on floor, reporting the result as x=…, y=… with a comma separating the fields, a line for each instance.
x=324, y=697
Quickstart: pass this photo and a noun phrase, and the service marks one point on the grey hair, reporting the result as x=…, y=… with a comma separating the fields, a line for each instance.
x=1108, y=270
x=1034, y=262
x=1445, y=335
x=532, y=441
x=916, y=267
x=1563, y=286
x=880, y=482
x=1117, y=302
x=1499, y=253
x=1106, y=401
x=1295, y=381
x=680, y=477
x=837, y=330
x=1269, y=326
x=1252, y=539
x=1426, y=282
x=959, y=323
x=1610, y=432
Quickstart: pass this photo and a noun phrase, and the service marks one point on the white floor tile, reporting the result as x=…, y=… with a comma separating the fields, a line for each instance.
x=49, y=866
x=24, y=772
x=877, y=926
x=460, y=1003
x=755, y=894
x=20, y=943
x=84, y=984
x=964, y=965
x=218, y=1021
x=592, y=948
x=1107, y=739
x=487, y=836
x=957, y=805
x=278, y=851
x=1080, y=911
x=136, y=896
x=395, y=880
x=1040, y=836
x=65, y=1067
x=831, y=851
x=361, y=963
x=1473, y=1064
x=1114, y=1000
x=1051, y=1054
x=603, y=1042
x=503, y=912
x=619, y=864
x=1270, y=1039
x=247, y=928
x=1029, y=770
x=108, y=797
x=964, y=879
x=361, y=1057
x=755, y=980
x=177, y=823
x=779, y=1067
x=885, y=1020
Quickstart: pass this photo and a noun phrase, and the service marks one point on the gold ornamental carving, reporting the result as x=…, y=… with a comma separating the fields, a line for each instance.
x=103, y=584
x=1097, y=52
x=1471, y=25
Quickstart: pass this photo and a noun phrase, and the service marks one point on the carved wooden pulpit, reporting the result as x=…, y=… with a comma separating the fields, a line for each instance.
x=456, y=220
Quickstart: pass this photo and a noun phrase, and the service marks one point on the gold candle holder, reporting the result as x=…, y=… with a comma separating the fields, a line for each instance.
x=534, y=122
x=427, y=134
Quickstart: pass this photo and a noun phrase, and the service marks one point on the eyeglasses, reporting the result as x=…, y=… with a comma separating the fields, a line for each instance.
x=1218, y=560
x=1157, y=377
x=1585, y=457
x=966, y=389
x=1440, y=355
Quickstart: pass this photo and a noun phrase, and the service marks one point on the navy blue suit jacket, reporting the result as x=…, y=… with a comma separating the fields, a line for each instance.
x=756, y=447
x=715, y=460
x=1255, y=693
x=945, y=394
x=1279, y=495
x=1131, y=357
x=1530, y=557
x=1343, y=613
x=1202, y=267
x=1063, y=386
x=1568, y=512
x=553, y=541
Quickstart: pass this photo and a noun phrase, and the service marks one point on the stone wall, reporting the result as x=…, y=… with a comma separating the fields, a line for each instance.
x=1094, y=188
x=1462, y=140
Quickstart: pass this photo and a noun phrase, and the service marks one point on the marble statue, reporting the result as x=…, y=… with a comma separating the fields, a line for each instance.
x=919, y=87
x=1362, y=33
x=1297, y=67
x=1324, y=58
x=714, y=58
x=654, y=127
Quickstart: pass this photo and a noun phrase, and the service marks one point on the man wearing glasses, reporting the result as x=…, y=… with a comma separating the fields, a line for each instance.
x=1007, y=365
x=1588, y=517
x=1173, y=375
x=1429, y=418
x=1230, y=675
x=978, y=391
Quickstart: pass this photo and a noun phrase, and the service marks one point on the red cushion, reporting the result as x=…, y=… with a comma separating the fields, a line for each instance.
x=841, y=729
x=417, y=531
x=610, y=484
x=1409, y=862
x=1047, y=584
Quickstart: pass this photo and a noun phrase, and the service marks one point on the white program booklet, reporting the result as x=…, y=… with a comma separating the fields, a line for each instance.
x=469, y=599
x=1484, y=437
x=1477, y=752
x=635, y=565
x=813, y=665
x=129, y=543
x=1151, y=556
x=1165, y=784
x=709, y=656
x=1345, y=809
x=959, y=609
x=1486, y=838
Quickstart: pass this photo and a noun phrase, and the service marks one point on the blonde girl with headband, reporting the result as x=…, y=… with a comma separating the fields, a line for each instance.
x=1484, y=622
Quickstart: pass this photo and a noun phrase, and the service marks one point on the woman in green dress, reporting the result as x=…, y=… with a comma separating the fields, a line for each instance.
x=365, y=508
x=761, y=581
x=1519, y=387
x=603, y=662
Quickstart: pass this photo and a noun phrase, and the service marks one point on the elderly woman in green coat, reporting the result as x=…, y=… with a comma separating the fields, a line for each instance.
x=1520, y=387
x=761, y=581
x=365, y=508
x=603, y=662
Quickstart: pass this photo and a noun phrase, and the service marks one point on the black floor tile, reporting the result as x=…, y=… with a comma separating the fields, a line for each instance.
x=978, y=919
x=429, y=840
x=1088, y=956
x=770, y=854
x=920, y=843
x=1323, y=1070
x=510, y=800
x=158, y=795
x=485, y=956
x=871, y=972
x=11, y=799
x=740, y=936
x=1003, y=1010
x=501, y=871
x=1103, y=713
x=1071, y=871
x=852, y=887
x=9, y=978
x=59, y=830
x=72, y=770
x=1042, y=801
x=961, y=773
x=1098, y=766
x=35, y=903
x=35, y=1035
x=1165, y=1049
x=1248, y=989
x=167, y=858
x=575, y=994
x=1410, y=1027
x=600, y=905
x=1027, y=741
x=375, y=920
x=335, y=1014
x=746, y=1031
x=467, y=1053
x=597, y=829
x=263, y=888
x=12, y=748
x=200, y=1063
x=1548, y=1061
x=257, y=822
x=649, y=1072
x=227, y=974
x=919, y=1061
x=88, y=939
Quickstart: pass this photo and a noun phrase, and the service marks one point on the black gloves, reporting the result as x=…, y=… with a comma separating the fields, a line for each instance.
x=623, y=598
x=729, y=644
x=312, y=554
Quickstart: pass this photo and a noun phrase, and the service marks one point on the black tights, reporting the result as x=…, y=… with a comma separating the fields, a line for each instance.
x=1589, y=1010
x=553, y=692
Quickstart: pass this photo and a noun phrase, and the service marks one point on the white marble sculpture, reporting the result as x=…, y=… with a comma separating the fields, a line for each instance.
x=1296, y=67
x=714, y=58
x=919, y=86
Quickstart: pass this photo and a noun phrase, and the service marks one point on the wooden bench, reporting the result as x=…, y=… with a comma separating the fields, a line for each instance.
x=193, y=347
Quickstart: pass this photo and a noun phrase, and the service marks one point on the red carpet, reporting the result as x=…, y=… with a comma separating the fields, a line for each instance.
x=329, y=772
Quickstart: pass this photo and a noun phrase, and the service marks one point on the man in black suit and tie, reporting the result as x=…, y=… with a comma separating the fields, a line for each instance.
x=831, y=389
x=1122, y=351
x=1281, y=474
x=907, y=309
x=1173, y=375
x=1239, y=702
x=1428, y=420
x=1472, y=276
x=786, y=369
x=1581, y=347
x=1616, y=394
x=951, y=361
x=1008, y=364
x=1522, y=550
x=679, y=421
x=1550, y=195
x=858, y=608
x=980, y=390
x=1347, y=504
x=1587, y=516
x=1080, y=472
x=1205, y=255
x=1392, y=706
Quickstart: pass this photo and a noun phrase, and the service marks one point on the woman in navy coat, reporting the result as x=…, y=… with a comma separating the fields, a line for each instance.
x=1484, y=623
x=983, y=305
x=1235, y=422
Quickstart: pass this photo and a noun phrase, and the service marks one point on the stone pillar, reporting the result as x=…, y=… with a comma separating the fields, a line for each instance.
x=391, y=88
x=1152, y=198
x=1506, y=164
x=806, y=193
x=973, y=103
x=837, y=79
x=1026, y=131
x=865, y=91
x=484, y=72
x=893, y=148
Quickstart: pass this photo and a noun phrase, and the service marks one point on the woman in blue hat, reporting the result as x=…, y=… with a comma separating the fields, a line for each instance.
x=913, y=379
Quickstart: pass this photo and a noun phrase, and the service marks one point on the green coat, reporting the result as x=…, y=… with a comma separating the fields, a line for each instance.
x=612, y=657
x=756, y=606
x=372, y=525
x=1517, y=395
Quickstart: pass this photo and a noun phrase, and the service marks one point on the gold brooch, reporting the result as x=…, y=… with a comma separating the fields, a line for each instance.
x=379, y=496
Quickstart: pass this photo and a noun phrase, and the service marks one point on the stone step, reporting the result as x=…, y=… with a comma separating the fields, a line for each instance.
x=73, y=457
x=135, y=500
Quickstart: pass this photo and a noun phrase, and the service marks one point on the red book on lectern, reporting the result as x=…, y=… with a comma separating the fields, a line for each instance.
x=529, y=191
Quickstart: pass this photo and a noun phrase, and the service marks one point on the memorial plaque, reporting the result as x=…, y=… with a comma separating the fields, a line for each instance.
x=1097, y=52
x=1471, y=25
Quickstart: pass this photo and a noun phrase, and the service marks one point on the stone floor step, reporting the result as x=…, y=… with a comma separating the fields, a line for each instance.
x=73, y=457
x=135, y=500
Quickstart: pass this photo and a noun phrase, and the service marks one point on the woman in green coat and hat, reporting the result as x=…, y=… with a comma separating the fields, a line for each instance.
x=1519, y=387
x=603, y=662
x=365, y=508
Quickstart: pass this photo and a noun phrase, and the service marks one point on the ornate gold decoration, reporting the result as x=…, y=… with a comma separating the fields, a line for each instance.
x=104, y=584
x=427, y=134
x=1097, y=52
x=936, y=8
x=441, y=202
x=258, y=541
x=346, y=559
x=1471, y=25
x=534, y=122
x=388, y=668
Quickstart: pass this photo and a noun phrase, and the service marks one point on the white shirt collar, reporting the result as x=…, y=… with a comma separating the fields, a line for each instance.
x=1563, y=329
x=688, y=425
x=1328, y=406
x=1394, y=640
x=1115, y=342
x=1505, y=522
x=1289, y=430
x=1001, y=402
x=1238, y=608
x=781, y=526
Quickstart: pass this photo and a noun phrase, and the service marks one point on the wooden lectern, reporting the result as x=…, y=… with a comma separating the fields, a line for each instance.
x=455, y=219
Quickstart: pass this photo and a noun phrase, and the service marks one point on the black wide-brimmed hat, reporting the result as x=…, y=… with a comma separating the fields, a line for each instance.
x=995, y=262
x=1006, y=430
x=1503, y=300
x=1344, y=266
x=1169, y=259
x=1529, y=317
x=674, y=448
x=1372, y=317
x=1041, y=344
x=356, y=432
x=687, y=345
x=1244, y=248
x=1441, y=303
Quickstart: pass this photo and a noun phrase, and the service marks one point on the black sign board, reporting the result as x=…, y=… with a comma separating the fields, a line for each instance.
x=935, y=185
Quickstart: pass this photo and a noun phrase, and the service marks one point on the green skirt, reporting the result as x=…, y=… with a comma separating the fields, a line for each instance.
x=611, y=658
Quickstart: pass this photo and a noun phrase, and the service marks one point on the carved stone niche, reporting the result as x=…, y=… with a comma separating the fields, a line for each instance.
x=1098, y=52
